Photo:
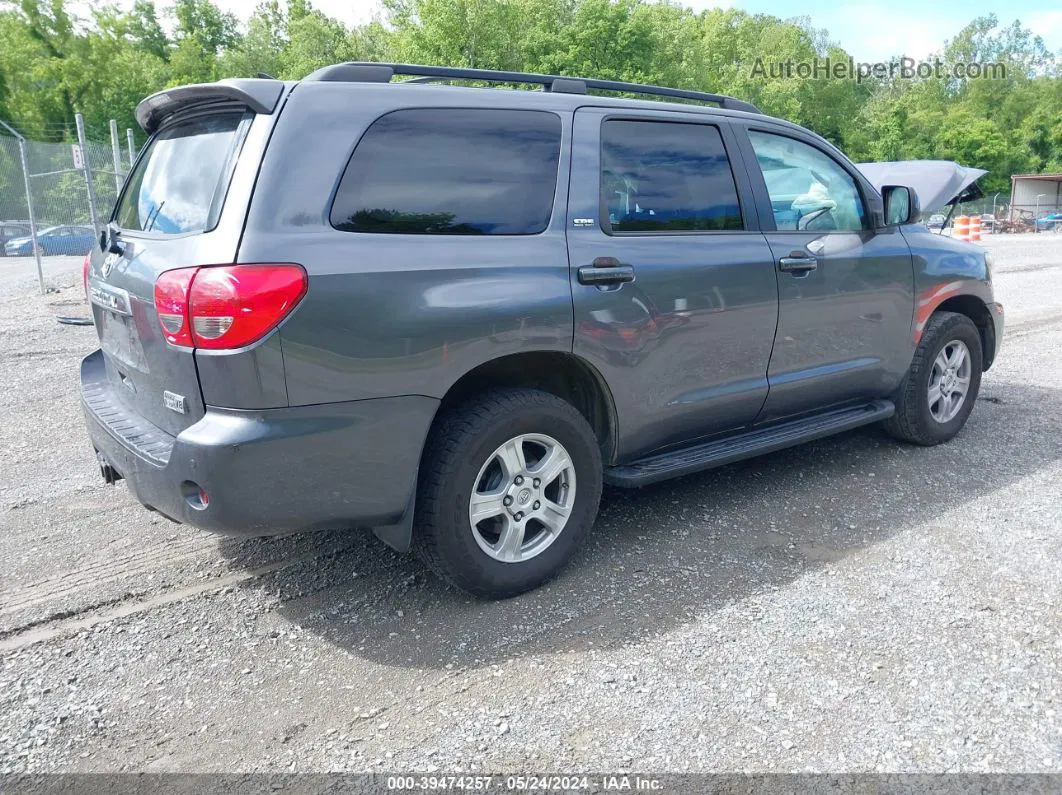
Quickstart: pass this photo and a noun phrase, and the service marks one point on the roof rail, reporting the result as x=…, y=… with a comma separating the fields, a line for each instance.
x=368, y=72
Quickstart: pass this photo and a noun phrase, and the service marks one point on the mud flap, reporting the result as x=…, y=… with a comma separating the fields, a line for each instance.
x=399, y=536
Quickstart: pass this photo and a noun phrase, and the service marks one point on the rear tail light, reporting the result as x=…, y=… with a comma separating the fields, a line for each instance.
x=85, y=271
x=226, y=306
x=171, y=305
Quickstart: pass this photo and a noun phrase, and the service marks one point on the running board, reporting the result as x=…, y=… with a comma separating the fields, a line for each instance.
x=746, y=444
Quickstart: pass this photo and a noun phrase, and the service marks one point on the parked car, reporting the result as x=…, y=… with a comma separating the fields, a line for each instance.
x=1050, y=222
x=936, y=222
x=9, y=230
x=67, y=239
x=451, y=313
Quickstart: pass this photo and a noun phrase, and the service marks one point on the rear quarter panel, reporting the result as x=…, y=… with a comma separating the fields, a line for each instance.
x=388, y=315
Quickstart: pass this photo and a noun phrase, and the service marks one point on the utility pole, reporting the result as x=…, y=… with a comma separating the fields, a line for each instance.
x=29, y=201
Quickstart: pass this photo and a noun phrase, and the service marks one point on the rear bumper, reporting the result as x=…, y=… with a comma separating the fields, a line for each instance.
x=267, y=472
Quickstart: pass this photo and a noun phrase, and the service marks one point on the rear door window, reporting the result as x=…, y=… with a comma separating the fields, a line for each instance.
x=666, y=177
x=441, y=171
x=179, y=183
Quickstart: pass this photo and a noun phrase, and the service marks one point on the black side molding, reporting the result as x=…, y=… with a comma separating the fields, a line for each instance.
x=746, y=444
x=260, y=95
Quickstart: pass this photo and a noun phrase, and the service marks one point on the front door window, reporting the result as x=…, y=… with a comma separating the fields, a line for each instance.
x=809, y=191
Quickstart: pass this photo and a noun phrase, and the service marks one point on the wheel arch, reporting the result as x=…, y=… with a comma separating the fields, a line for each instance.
x=565, y=375
x=974, y=308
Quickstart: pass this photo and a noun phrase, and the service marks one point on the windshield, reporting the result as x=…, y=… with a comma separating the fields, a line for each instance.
x=179, y=183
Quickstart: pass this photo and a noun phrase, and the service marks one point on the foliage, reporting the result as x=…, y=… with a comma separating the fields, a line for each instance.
x=53, y=63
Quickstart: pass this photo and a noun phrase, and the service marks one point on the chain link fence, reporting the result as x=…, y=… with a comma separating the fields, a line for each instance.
x=1013, y=217
x=55, y=197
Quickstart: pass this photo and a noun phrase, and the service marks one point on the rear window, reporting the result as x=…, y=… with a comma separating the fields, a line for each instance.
x=452, y=172
x=179, y=184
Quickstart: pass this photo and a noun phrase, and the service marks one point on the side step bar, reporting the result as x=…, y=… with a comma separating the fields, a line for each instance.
x=746, y=444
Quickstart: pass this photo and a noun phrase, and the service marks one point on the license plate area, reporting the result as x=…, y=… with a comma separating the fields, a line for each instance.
x=119, y=339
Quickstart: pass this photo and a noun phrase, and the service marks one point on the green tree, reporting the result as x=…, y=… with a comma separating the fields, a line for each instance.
x=58, y=57
x=40, y=53
x=202, y=32
x=262, y=48
x=145, y=30
x=313, y=40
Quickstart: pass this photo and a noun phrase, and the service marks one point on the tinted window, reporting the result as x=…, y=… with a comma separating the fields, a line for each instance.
x=452, y=172
x=808, y=188
x=666, y=177
x=179, y=183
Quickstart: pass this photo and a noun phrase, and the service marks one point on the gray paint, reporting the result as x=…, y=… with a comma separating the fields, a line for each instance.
x=843, y=327
x=283, y=470
x=395, y=314
x=685, y=346
x=323, y=422
x=156, y=366
x=247, y=379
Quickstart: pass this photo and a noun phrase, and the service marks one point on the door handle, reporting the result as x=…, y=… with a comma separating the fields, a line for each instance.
x=606, y=270
x=797, y=262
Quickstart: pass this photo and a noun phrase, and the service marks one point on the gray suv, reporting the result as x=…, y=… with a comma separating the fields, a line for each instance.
x=450, y=313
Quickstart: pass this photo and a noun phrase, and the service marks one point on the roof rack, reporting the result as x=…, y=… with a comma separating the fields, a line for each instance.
x=368, y=72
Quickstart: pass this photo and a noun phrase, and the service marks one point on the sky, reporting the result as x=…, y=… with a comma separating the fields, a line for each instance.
x=868, y=31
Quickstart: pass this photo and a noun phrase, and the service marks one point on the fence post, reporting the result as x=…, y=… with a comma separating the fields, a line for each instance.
x=88, y=172
x=29, y=201
x=130, y=145
x=29, y=211
x=116, y=156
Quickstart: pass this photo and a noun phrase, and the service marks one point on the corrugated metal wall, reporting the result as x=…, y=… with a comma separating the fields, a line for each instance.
x=1026, y=191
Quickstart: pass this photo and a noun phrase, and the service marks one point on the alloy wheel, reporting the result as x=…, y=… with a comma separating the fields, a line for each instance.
x=522, y=497
x=949, y=381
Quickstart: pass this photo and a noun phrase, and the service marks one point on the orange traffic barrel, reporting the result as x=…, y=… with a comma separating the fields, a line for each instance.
x=975, y=228
x=961, y=227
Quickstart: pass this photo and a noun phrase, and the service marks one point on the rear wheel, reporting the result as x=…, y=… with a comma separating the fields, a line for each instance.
x=940, y=389
x=509, y=488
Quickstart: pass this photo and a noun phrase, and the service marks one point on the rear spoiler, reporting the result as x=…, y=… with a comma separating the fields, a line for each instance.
x=259, y=95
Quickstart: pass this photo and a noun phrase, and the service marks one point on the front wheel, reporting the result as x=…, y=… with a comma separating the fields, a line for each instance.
x=509, y=488
x=939, y=391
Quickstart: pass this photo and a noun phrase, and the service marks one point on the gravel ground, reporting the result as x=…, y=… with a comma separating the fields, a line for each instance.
x=852, y=605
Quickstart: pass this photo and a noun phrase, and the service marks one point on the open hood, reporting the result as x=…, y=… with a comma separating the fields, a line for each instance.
x=938, y=183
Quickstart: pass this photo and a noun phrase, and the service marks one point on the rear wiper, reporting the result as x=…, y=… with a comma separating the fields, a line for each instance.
x=154, y=216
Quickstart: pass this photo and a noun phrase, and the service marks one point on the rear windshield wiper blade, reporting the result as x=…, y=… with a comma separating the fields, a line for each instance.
x=154, y=216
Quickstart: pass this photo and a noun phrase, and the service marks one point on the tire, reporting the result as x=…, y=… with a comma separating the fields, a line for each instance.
x=465, y=453
x=917, y=418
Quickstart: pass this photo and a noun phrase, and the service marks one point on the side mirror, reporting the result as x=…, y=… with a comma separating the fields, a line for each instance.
x=901, y=205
